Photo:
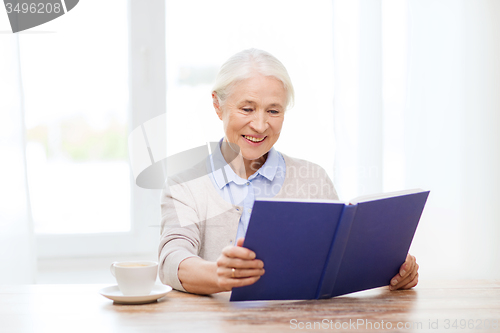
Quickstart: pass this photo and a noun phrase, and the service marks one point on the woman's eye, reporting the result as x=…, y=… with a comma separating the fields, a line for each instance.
x=274, y=111
x=247, y=110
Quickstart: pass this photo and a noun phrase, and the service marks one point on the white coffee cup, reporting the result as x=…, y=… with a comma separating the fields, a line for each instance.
x=135, y=278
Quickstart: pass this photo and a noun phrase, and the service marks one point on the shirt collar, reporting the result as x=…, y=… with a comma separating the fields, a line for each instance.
x=223, y=173
x=269, y=168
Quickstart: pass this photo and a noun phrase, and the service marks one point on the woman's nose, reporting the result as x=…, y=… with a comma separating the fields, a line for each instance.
x=259, y=122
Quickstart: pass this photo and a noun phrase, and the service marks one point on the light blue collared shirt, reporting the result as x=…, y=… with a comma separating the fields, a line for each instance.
x=265, y=183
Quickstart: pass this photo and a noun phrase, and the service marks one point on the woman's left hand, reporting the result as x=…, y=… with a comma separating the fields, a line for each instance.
x=408, y=275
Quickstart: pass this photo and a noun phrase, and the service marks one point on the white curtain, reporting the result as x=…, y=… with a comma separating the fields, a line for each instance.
x=417, y=104
x=17, y=257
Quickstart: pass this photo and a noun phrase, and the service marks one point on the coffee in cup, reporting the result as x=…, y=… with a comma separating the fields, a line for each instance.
x=135, y=278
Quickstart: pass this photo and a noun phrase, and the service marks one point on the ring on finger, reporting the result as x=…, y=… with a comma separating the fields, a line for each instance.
x=232, y=272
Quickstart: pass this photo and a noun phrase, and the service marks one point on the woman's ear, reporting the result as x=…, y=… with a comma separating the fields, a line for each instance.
x=215, y=101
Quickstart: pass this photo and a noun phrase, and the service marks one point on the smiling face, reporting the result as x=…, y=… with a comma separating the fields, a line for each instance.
x=253, y=115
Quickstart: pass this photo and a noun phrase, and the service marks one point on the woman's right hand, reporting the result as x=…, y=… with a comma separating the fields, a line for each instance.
x=237, y=267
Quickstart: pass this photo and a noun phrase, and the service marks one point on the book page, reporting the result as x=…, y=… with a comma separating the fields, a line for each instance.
x=373, y=197
x=301, y=200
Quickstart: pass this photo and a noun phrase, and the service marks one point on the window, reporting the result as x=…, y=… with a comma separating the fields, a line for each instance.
x=79, y=101
x=76, y=96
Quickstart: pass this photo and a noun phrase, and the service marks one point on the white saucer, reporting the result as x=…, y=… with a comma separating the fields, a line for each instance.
x=116, y=295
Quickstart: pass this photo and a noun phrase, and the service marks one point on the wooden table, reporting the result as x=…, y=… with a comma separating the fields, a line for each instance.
x=431, y=306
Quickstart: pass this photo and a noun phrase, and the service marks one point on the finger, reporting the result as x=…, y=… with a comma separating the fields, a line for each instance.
x=402, y=281
x=239, y=263
x=240, y=241
x=405, y=270
x=238, y=252
x=407, y=266
x=240, y=272
x=229, y=284
x=412, y=283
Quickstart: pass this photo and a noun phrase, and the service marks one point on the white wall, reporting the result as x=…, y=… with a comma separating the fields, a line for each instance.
x=439, y=128
x=433, y=127
x=481, y=140
x=452, y=134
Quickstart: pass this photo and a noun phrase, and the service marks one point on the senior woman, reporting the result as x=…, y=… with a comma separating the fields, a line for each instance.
x=206, y=209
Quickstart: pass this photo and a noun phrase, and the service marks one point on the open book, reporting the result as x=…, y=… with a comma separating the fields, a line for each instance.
x=313, y=249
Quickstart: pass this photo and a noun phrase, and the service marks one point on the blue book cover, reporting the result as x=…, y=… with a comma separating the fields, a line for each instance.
x=323, y=249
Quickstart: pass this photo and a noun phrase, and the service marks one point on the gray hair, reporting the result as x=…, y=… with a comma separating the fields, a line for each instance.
x=243, y=65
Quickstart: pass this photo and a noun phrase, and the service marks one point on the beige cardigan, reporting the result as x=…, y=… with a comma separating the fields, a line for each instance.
x=197, y=221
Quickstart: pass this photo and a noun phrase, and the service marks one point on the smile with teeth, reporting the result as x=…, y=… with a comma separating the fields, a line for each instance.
x=251, y=138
